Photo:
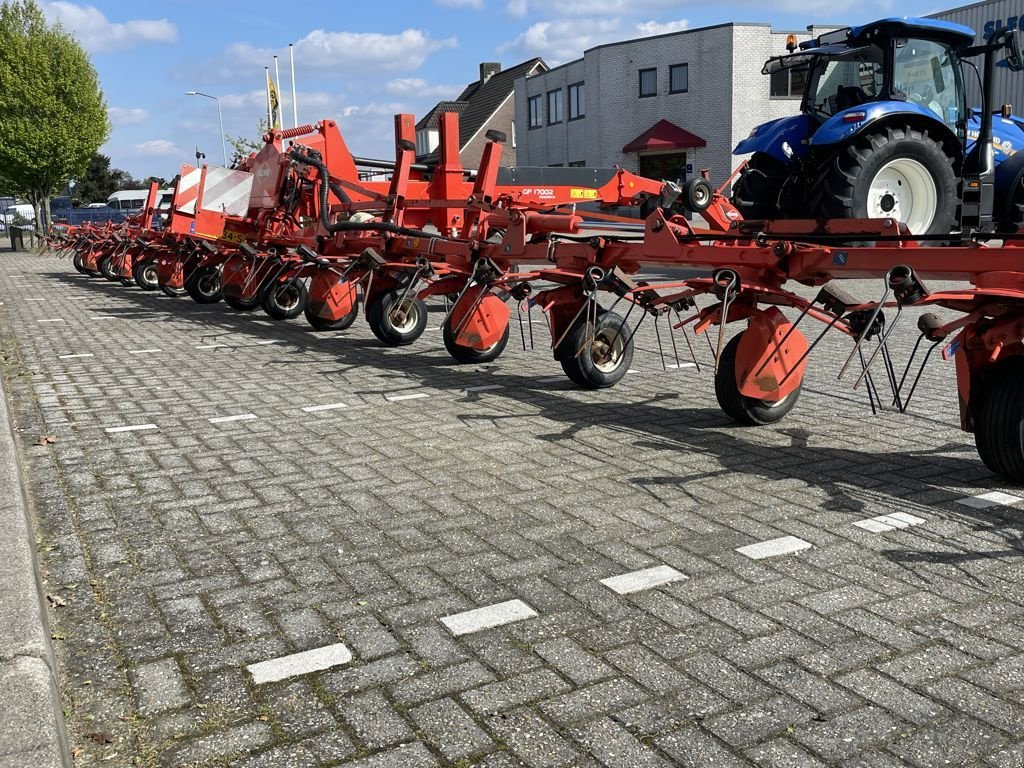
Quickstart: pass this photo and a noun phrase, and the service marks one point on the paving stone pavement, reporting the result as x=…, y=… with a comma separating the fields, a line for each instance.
x=186, y=552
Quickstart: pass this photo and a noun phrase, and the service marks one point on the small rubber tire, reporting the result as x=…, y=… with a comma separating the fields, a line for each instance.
x=748, y=411
x=464, y=354
x=321, y=324
x=79, y=263
x=145, y=275
x=106, y=267
x=394, y=328
x=172, y=292
x=126, y=281
x=605, y=351
x=697, y=194
x=999, y=419
x=203, y=285
x=243, y=305
x=285, y=300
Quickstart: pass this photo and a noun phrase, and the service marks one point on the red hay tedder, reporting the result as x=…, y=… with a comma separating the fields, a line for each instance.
x=295, y=230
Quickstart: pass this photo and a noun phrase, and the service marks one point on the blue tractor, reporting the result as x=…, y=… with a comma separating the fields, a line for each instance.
x=884, y=131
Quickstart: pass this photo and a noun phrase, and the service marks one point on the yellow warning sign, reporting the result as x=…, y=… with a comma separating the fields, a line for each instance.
x=583, y=194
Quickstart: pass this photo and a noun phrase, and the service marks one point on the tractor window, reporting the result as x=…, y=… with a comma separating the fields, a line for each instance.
x=926, y=73
x=839, y=83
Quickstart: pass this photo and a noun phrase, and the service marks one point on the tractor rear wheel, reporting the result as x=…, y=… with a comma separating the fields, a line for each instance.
x=899, y=172
x=746, y=410
x=999, y=419
x=758, y=191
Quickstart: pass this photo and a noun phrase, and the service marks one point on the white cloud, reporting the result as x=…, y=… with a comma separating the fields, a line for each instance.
x=417, y=86
x=127, y=115
x=650, y=28
x=565, y=39
x=478, y=4
x=100, y=35
x=331, y=52
x=156, y=147
x=578, y=8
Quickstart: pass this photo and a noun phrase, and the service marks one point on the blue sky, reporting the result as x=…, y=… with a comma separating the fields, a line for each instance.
x=357, y=62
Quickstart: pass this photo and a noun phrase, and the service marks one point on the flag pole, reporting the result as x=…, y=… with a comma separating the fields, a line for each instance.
x=295, y=102
x=270, y=118
x=277, y=84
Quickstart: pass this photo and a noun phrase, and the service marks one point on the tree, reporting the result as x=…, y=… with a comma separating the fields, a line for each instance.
x=53, y=116
x=98, y=182
x=243, y=147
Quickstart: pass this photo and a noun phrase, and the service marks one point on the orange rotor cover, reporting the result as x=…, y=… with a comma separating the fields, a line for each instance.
x=761, y=345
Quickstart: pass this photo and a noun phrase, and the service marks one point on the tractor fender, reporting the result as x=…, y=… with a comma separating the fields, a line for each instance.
x=772, y=137
x=843, y=126
x=1009, y=175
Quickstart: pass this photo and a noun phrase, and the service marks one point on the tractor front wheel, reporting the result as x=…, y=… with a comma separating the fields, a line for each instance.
x=746, y=410
x=900, y=173
x=757, y=193
x=999, y=419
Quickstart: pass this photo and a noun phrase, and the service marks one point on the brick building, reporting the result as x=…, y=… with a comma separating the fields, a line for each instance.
x=484, y=105
x=664, y=106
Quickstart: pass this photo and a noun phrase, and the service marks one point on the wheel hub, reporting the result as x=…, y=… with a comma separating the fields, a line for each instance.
x=905, y=190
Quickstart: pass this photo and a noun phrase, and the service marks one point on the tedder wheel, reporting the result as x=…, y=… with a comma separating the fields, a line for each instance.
x=697, y=194
x=605, y=351
x=172, y=292
x=283, y=301
x=126, y=281
x=320, y=324
x=106, y=268
x=397, y=325
x=79, y=262
x=739, y=407
x=145, y=275
x=999, y=419
x=757, y=193
x=901, y=173
x=203, y=285
x=243, y=305
x=462, y=354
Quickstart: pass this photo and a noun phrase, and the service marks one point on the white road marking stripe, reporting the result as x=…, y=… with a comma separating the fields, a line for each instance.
x=679, y=366
x=890, y=522
x=632, y=370
x=211, y=346
x=647, y=578
x=785, y=545
x=270, y=341
x=35, y=298
x=133, y=428
x=490, y=616
x=143, y=351
x=53, y=320
x=68, y=357
x=397, y=398
x=302, y=663
x=485, y=388
x=990, y=499
x=239, y=417
x=328, y=407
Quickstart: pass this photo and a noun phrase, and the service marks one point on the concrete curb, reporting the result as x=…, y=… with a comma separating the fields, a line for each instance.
x=31, y=717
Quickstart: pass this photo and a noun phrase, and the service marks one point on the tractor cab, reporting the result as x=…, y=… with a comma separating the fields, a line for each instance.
x=880, y=89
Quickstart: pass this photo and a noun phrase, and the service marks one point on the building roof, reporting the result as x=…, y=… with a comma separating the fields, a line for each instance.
x=665, y=136
x=431, y=119
x=479, y=101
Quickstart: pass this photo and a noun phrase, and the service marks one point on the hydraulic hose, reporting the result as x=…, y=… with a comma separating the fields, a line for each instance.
x=351, y=226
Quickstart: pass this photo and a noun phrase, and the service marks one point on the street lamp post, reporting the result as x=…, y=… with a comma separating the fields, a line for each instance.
x=220, y=116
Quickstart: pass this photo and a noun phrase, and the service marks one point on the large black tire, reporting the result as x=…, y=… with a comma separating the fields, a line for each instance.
x=320, y=324
x=462, y=354
x=244, y=305
x=172, y=292
x=285, y=300
x=106, y=267
x=738, y=407
x=757, y=192
x=203, y=285
x=999, y=419
x=605, y=351
x=145, y=275
x=396, y=326
x=845, y=186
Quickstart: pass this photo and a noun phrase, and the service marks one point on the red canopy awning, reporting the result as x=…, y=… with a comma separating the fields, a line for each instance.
x=664, y=135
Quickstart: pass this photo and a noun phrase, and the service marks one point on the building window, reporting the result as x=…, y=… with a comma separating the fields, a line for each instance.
x=679, y=78
x=578, y=164
x=787, y=83
x=577, y=101
x=536, y=121
x=554, y=107
x=648, y=82
x=555, y=165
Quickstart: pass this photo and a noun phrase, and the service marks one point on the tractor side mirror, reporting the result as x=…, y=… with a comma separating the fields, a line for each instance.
x=1011, y=51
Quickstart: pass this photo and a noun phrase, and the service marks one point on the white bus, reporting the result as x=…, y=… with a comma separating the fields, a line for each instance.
x=134, y=199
